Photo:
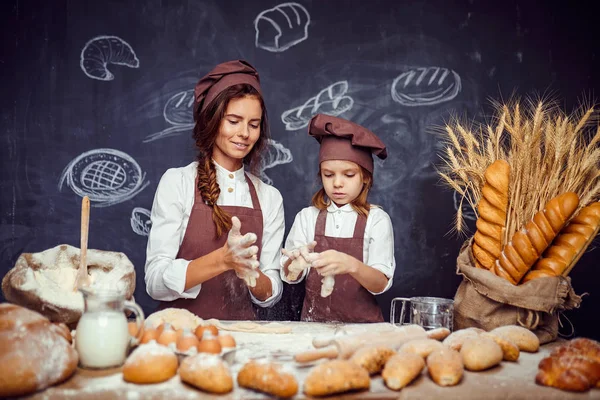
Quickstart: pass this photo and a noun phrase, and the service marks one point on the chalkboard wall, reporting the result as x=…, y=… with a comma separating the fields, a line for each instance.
x=102, y=91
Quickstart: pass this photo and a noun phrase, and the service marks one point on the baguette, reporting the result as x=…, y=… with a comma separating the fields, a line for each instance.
x=529, y=243
x=569, y=245
x=487, y=241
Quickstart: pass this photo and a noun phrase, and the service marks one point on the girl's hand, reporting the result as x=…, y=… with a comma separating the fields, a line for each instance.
x=240, y=254
x=333, y=262
x=299, y=258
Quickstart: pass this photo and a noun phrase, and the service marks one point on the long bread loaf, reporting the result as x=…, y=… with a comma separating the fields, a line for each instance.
x=569, y=245
x=491, y=222
x=528, y=244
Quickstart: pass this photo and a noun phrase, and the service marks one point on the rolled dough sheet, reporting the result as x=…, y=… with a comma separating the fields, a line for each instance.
x=247, y=326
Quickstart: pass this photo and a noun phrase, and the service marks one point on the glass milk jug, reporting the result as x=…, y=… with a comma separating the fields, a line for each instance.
x=102, y=337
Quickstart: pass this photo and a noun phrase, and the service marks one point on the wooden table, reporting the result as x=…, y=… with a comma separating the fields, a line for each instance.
x=510, y=380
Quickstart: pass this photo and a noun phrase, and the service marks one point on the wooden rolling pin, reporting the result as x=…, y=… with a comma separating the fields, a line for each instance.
x=344, y=346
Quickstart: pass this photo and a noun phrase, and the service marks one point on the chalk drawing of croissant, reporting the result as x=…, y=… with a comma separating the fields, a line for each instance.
x=331, y=101
x=103, y=50
x=177, y=112
x=281, y=27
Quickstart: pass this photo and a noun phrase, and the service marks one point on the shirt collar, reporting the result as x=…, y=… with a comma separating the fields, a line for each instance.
x=345, y=208
x=222, y=172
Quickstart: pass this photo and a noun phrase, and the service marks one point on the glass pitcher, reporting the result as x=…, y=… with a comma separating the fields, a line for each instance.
x=102, y=337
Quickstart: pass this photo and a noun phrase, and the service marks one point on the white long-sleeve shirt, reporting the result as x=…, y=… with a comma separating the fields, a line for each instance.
x=378, y=244
x=165, y=274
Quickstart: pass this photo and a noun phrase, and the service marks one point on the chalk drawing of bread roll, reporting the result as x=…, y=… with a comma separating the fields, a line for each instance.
x=281, y=27
x=178, y=114
x=103, y=50
x=106, y=176
x=140, y=221
x=425, y=86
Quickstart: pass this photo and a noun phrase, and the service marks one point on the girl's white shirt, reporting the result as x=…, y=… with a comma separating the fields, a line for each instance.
x=378, y=244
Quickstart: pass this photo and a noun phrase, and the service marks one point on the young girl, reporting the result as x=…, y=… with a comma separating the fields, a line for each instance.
x=197, y=257
x=342, y=245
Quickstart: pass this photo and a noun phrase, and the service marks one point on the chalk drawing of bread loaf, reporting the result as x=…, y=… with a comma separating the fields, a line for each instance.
x=281, y=27
x=425, y=86
x=103, y=50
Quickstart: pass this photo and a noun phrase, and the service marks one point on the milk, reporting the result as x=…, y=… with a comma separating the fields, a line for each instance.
x=102, y=339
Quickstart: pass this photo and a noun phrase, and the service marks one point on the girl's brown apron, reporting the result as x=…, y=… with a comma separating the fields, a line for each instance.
x=350, y=301
x=225, y=296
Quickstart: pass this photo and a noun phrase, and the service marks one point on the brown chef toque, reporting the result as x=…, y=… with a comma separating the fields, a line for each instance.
x=221, y=77
x=344, y=140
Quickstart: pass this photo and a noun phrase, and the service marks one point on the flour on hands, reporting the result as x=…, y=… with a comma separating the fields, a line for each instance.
x=241, y=253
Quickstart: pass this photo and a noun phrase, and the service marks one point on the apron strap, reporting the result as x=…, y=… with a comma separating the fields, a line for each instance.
x=253, y=195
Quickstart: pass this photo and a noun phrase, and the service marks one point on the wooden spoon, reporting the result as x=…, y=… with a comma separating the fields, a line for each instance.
x=83, y=279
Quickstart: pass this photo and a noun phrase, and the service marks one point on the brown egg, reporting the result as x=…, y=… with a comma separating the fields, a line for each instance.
x=187, y=340
x=149, y=334
x=199, y=331
x=226, y=341
x=161, y=327
x=209, y=344
x=133, y=329
x=213, y=329
x=167, y=336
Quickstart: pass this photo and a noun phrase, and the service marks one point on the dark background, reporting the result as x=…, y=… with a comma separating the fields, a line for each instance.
x=52, y=112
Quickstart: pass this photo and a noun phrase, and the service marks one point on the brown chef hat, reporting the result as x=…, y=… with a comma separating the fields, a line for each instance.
x=220, y=78
x=344, y=140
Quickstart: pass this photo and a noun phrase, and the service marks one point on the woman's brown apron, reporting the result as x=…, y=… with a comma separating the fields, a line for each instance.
x=224, y=296
x=350, y=301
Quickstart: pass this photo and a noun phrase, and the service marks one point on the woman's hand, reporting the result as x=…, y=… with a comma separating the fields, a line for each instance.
x=299, y=260
x=333, y=262
x=240, y=254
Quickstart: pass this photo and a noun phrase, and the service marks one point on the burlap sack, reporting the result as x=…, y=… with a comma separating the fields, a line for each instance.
x=484, y=300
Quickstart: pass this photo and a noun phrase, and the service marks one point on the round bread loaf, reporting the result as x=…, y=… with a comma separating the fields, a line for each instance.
x=34, y=354
x=150, y=363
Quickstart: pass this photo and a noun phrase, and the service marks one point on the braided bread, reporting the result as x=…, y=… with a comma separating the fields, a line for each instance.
x=487, y=242
x=574, y=366
x=569, y=245
x=529, y=243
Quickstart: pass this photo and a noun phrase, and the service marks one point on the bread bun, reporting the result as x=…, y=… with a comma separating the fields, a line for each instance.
x=336, y=376
x=150, y=363
x=401, y=369
x=207, y=372
x=372, y=358
x=34, y=353
x=268, y=377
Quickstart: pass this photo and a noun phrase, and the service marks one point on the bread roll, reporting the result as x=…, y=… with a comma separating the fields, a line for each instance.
x=510, y=351
x=34, y=353
x=438, y=333
x=372, y=358
x=268, y=377
x=401, y=369
x=336, y=376
x=207, y=372
x=150, y=363
x=445, y=366
x=570, y=372
x=569, y=245
x=524, y=339
x=456, y=339
x=491, y=222
x=480, y=353
x=529, y=243
x=421, y=347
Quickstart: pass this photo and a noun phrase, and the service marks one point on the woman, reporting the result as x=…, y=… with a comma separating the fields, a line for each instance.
x=197, y=256
x=342, y=244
